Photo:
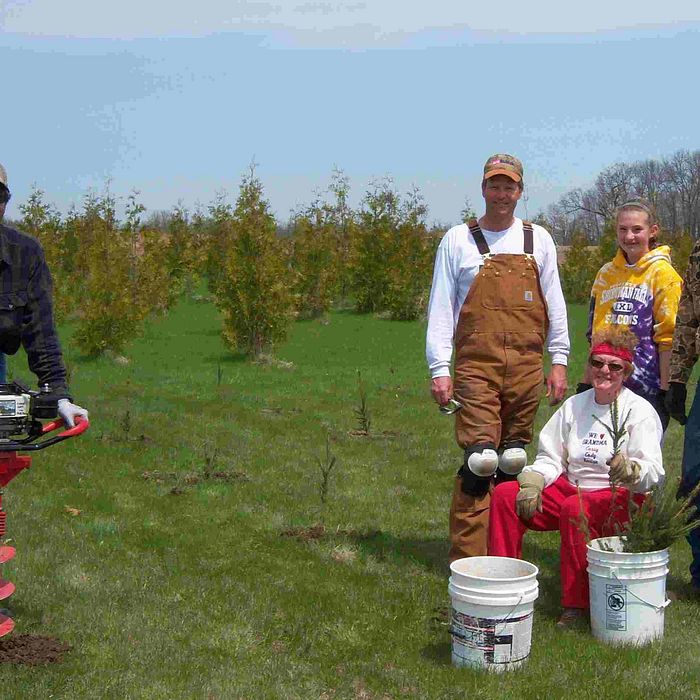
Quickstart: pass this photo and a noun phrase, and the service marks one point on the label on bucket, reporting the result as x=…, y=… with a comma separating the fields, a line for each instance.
x=615, y=607
x=480, y=641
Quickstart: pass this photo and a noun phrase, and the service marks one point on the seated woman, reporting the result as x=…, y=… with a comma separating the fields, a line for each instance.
x=576, y=450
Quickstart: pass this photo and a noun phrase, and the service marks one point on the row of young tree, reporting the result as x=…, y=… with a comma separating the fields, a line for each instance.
x=110, y=274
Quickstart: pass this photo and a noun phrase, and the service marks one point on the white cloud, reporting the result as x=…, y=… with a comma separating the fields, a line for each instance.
x=341, y=23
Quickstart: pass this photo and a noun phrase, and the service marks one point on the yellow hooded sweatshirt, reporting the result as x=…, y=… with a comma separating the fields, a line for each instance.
x=644, y=297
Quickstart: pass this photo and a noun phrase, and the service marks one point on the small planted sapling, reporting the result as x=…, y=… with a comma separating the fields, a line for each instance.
x=362, y=413
x=325, y=467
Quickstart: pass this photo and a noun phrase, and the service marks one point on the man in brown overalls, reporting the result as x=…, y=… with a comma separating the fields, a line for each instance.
x=496, y=299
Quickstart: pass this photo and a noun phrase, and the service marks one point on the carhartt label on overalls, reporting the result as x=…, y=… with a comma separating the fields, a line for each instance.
x=528, y=296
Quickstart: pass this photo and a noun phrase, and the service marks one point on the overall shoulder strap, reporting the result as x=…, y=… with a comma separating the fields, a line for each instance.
x=481, y=243
x=528, y=239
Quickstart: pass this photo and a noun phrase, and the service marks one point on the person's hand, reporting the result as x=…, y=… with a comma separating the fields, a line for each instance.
x=69, y=412
x=529, y=498
x=556, y=384
x=675, y=401
x=441, y=389
x=623, y=471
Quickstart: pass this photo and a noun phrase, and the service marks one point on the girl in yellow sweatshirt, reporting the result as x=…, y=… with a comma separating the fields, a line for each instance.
x=640, y=289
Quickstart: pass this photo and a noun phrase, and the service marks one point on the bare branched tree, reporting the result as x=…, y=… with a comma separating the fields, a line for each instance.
x=671, y=185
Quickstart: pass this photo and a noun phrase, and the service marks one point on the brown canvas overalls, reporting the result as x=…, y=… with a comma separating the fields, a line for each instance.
x=499, y=344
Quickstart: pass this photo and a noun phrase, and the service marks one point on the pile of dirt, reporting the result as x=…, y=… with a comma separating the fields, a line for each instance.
x=32, y=649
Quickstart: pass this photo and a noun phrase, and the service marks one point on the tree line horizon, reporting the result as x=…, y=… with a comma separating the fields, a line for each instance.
x=671, y=185
x=111, y=274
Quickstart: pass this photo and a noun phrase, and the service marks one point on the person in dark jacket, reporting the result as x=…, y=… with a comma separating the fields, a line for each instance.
x=26, y=310
x=684, y=355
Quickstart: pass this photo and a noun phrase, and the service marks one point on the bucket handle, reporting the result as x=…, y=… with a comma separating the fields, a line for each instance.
x=657, y=608
x=512, y=610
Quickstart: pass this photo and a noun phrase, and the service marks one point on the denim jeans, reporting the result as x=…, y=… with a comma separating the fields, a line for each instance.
x=690, y=476
x=3, y=368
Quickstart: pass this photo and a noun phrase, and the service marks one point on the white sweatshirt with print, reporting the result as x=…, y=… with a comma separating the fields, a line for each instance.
x=575, y=442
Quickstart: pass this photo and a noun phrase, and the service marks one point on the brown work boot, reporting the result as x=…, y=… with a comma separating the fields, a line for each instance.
x=572, y=617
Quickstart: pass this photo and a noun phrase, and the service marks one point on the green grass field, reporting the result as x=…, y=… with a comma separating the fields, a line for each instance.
x=193, y=568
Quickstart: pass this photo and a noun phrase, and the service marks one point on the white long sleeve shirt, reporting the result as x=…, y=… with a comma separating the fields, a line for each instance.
x=456, y=265
x=575, y=442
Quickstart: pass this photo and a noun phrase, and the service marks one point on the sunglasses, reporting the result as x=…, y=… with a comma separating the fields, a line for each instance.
x=612, y=366
x=4, y=195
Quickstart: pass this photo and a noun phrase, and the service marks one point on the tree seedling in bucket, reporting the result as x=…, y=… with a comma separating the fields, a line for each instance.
x=660, y=520
x=654, y=525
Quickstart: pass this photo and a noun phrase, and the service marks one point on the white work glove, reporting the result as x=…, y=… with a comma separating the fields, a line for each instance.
x=529, y=498
x=69, y=412
x=623, y=471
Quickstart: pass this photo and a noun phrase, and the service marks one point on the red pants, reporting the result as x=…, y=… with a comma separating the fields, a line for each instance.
x=560, y=509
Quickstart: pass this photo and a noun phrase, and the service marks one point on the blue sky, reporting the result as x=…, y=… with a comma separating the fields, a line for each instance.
x=177, y=102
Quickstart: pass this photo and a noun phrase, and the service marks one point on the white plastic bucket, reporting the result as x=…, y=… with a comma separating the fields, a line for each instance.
x=628, y=592
x=492, y=609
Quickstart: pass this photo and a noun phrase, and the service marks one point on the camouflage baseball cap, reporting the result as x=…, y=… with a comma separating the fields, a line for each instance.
x=3, y=175
x=503, y=164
